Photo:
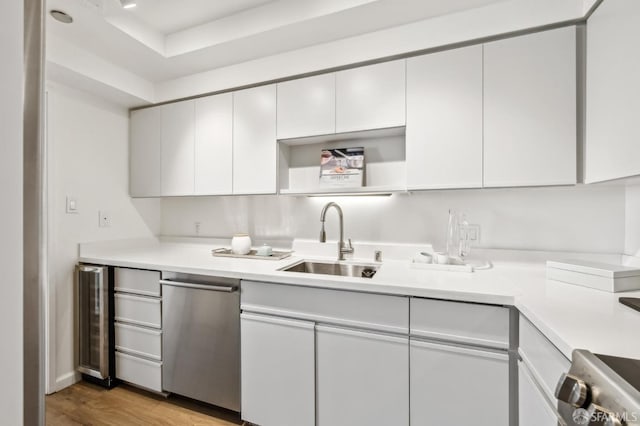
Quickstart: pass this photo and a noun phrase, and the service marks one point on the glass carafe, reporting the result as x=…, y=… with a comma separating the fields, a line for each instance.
x=458, y=243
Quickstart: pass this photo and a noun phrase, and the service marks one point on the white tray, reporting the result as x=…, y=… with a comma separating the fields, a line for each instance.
x=226, y=252
x=452, y=267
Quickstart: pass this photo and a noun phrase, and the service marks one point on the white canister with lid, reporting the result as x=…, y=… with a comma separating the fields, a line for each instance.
x=241, y=244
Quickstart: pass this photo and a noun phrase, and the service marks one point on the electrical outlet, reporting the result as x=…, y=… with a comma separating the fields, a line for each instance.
x=72, y=205
x=196, y=225
x=104, y=219
x=474, y=233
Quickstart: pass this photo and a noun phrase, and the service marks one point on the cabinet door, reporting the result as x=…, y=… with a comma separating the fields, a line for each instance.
x=214, y=145
x=457, y=385
x=533, y=407
x=363, y=378
x=444, y=119
x=177, y=148
x=307, y=107
x=613, y=92
x=145, y=146
x=254, y=141
x=530, y=110
x=278, y=376
x=371, y=97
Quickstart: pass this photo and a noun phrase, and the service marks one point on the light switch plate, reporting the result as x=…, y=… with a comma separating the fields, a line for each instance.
x=104, y=220
x=72, y=205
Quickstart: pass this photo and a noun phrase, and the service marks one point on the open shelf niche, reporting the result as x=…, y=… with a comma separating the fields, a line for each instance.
x=384, y=162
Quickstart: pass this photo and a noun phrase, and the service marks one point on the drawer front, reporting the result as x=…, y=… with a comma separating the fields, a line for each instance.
x=484, y=325
x=544, y=360
x=348, y=308
x=533, y=407
x=139, y=341
x=443, y=376
x=138, y=310
x=138, y=371
x=137, y=281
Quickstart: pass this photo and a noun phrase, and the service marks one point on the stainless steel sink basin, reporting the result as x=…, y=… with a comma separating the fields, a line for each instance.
x=334, y=268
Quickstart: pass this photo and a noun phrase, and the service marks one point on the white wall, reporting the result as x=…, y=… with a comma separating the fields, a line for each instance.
x=583, y=219
x=11, y=287
x=88, y=159
x=632, y=221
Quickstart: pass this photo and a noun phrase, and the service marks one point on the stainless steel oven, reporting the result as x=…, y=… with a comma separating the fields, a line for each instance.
x=600, y=390
x=95, y=324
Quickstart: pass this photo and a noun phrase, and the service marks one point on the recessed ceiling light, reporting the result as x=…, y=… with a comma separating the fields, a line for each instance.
x=128, y=4
x=59, y=15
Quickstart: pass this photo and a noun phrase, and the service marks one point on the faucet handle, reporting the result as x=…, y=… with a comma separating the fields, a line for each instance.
x=347, y=249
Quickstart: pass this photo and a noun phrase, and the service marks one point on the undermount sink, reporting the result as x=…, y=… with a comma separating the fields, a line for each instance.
x=334, y=268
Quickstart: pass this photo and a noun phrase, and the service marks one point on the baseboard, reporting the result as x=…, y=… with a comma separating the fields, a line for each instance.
x=67, y=380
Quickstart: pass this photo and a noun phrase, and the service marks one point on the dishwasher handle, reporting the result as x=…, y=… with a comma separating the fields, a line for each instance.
x=226, y=289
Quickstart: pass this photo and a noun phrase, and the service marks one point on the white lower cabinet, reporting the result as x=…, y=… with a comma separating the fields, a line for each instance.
x=139, y=341
x=325, y=357
x=139, y=371
x=138, y=328
x=458, y=385
x=278, y=365
x=362, y=378
x=533, y=408
x=138, y=310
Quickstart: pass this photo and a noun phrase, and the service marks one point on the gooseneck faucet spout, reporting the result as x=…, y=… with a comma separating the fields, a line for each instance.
x=342, y=247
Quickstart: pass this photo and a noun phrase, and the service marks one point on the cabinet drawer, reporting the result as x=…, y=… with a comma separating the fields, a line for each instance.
x=348, y=308
x=138, y=371
x=533, y=407
x=139, y=341
x=442, y=375
x=137, y=281
x=484, y=325
x=544, y=360
x=138, y=310
x=362, y=378
x=278, y=371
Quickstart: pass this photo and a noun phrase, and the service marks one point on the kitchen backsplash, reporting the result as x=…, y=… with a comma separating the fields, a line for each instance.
x=583, y=219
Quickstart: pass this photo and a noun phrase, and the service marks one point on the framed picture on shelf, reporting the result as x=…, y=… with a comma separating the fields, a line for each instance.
x=342, y=168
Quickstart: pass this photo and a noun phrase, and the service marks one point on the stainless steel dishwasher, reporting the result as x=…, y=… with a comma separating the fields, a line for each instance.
x=201, y=338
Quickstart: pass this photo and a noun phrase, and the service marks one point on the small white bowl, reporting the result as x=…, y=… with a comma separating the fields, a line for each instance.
x=264, y=250
x=441, y=258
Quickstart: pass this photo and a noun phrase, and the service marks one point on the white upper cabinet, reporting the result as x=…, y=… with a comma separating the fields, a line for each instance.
x=144, y=150
x=254, y=140
x=307, y=107
x=214, y=145
x=177, y=177
x=613, y=92
x=371, y=97
x=444, y=119
x=530, y=110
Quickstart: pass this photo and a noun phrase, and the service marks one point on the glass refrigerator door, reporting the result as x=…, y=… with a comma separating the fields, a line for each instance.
x=92, y=321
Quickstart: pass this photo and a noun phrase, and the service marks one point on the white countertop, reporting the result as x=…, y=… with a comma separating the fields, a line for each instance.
x=572, y=317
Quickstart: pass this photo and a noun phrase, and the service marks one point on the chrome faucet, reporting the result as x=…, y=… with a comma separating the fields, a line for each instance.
x=342, y=247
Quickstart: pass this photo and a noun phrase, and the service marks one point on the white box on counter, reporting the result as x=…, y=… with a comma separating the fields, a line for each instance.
x=600, y=276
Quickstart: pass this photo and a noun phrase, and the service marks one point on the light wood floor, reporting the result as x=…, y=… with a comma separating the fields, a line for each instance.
x=88, y=404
